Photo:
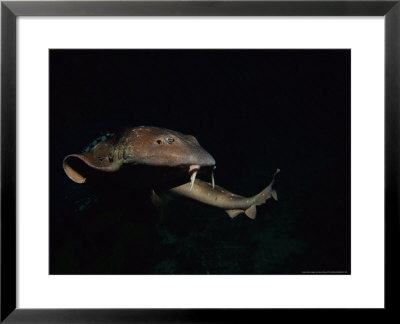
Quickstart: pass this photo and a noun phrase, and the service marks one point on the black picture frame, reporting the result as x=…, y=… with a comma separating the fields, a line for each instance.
x=10, y=10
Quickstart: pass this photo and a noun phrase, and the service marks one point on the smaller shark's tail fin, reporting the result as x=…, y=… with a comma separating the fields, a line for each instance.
x=267, y=193
x=259, y=199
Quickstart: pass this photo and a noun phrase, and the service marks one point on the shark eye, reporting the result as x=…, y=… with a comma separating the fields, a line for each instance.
x=170, y=140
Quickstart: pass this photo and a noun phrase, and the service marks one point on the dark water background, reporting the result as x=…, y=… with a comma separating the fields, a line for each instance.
x=254, y=111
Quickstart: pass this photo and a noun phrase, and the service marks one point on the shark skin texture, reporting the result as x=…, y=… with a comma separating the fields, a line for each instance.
x=164, y=161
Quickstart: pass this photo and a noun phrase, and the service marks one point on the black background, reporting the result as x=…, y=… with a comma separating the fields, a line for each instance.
x=254, y=111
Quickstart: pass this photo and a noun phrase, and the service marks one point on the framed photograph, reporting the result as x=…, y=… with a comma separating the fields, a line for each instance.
x=188, y=161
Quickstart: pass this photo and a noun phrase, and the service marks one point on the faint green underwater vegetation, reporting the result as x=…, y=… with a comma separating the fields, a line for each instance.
x=189, y=238
x=220, y=245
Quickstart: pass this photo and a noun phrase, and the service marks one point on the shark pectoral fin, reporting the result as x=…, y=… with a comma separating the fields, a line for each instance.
x=234, y=212
x=251, y=212
x=73, y=168
x=73, y=174
x=76, y=166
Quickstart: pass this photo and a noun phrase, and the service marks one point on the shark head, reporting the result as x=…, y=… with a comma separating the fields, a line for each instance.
x=162, y=147
x=145, y=146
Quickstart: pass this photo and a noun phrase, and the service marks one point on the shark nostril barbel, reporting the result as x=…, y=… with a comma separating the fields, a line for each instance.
x=193, y=172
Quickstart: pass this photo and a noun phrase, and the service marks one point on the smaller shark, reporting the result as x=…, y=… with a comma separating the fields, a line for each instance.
x=219, y=197
x=162, y=160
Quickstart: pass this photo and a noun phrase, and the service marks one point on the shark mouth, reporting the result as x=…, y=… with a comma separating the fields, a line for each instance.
x=193, y=169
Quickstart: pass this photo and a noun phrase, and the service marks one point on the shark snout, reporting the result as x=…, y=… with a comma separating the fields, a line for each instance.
x=202, y=159
x=209, y=161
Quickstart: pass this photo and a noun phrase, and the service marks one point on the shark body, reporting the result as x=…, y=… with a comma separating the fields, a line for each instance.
x=219, y=197
x=153, y=147
x=164, y=160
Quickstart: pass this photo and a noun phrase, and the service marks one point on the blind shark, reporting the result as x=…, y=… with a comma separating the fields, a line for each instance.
x=165, y=161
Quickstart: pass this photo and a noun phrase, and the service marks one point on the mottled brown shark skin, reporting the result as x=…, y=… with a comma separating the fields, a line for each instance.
x=142, y=146
x=165, y=152
x=219, y=197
